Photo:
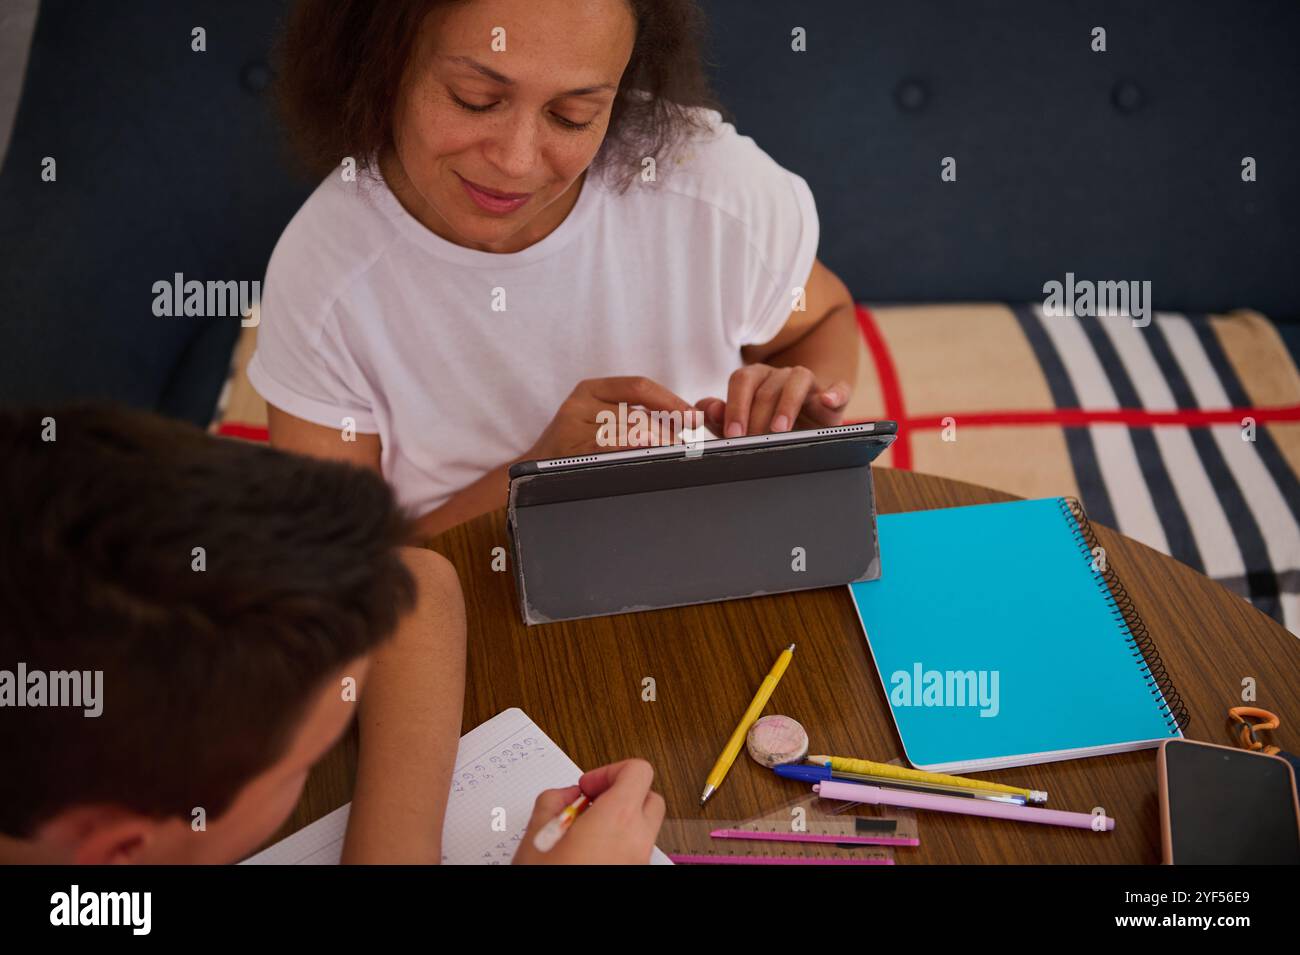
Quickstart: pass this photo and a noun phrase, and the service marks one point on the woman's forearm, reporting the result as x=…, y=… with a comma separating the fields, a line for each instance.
x=829, y=349
x=486, y=494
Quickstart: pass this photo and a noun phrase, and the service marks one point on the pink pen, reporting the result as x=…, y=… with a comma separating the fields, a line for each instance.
x=876, y=796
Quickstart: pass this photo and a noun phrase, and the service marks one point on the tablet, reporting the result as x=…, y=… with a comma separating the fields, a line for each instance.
x=883, y=431
x=646, y=528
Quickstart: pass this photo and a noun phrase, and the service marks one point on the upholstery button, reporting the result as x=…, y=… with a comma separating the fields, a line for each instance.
x=255, y=76
x=1127, y=96
x=912, y=95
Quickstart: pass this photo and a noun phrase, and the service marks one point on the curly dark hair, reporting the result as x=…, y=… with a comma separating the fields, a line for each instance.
x=341, y=63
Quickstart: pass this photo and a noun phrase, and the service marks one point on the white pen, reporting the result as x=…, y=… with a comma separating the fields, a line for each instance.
x=549, y=834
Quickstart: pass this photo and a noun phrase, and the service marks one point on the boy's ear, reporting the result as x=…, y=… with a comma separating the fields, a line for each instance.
x=100, y=835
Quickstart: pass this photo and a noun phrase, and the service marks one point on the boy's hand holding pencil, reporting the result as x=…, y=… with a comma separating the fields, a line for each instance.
x=610, y=818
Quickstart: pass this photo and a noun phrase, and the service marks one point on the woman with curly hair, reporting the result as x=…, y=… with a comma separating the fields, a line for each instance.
x=532, y=213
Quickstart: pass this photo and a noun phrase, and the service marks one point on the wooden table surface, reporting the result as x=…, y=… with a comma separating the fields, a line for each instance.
x=581, y=682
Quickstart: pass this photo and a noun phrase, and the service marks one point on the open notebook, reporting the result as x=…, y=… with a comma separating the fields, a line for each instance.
x=1002, y=637
x=501, y=764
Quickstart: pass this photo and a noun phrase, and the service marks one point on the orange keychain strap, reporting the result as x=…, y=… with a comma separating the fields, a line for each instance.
x=1246, y=737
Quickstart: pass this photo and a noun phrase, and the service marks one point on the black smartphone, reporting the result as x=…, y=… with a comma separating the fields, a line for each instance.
x=1226, y=806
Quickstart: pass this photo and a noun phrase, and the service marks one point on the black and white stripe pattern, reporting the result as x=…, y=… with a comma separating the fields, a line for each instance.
x=1227, y=507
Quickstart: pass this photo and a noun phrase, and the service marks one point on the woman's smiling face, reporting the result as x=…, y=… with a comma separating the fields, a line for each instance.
x=503, y=107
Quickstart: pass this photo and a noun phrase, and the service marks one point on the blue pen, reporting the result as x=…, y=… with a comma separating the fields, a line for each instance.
x=816, y=774
x=805, y=774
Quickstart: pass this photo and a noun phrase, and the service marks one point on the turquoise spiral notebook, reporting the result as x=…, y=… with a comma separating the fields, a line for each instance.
x=1003, y=637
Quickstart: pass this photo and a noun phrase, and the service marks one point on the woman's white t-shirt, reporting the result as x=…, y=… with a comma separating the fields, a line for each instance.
x=458, y=358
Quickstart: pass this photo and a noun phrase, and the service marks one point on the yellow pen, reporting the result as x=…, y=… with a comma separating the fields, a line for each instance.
x=733, y=747
x=867, y=767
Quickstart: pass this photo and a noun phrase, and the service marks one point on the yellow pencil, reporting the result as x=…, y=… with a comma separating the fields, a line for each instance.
x=737, y=740
x=867, y=767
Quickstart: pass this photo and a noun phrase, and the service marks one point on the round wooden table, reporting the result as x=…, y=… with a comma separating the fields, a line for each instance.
x=582, y=683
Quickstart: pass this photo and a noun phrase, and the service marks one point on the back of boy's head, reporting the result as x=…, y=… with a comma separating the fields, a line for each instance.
x=216, y=584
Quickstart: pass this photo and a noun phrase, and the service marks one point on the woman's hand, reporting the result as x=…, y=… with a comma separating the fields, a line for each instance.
x=618, y=828
x=575, y=429
x=763, y=398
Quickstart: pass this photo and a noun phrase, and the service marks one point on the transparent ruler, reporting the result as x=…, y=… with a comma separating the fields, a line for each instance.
x=805, y=831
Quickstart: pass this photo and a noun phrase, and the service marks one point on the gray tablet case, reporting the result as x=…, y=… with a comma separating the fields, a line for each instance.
x=665, y=532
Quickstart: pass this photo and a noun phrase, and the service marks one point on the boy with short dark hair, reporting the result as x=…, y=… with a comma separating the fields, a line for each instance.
x=218, y=603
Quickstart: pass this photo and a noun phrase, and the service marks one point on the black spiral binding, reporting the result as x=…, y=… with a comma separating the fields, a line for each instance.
x=1140, y=643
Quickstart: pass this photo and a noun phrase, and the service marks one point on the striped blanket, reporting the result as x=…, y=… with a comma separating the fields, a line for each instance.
x=1184, y=434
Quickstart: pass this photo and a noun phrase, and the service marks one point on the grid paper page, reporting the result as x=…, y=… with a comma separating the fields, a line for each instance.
x=501, y=765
